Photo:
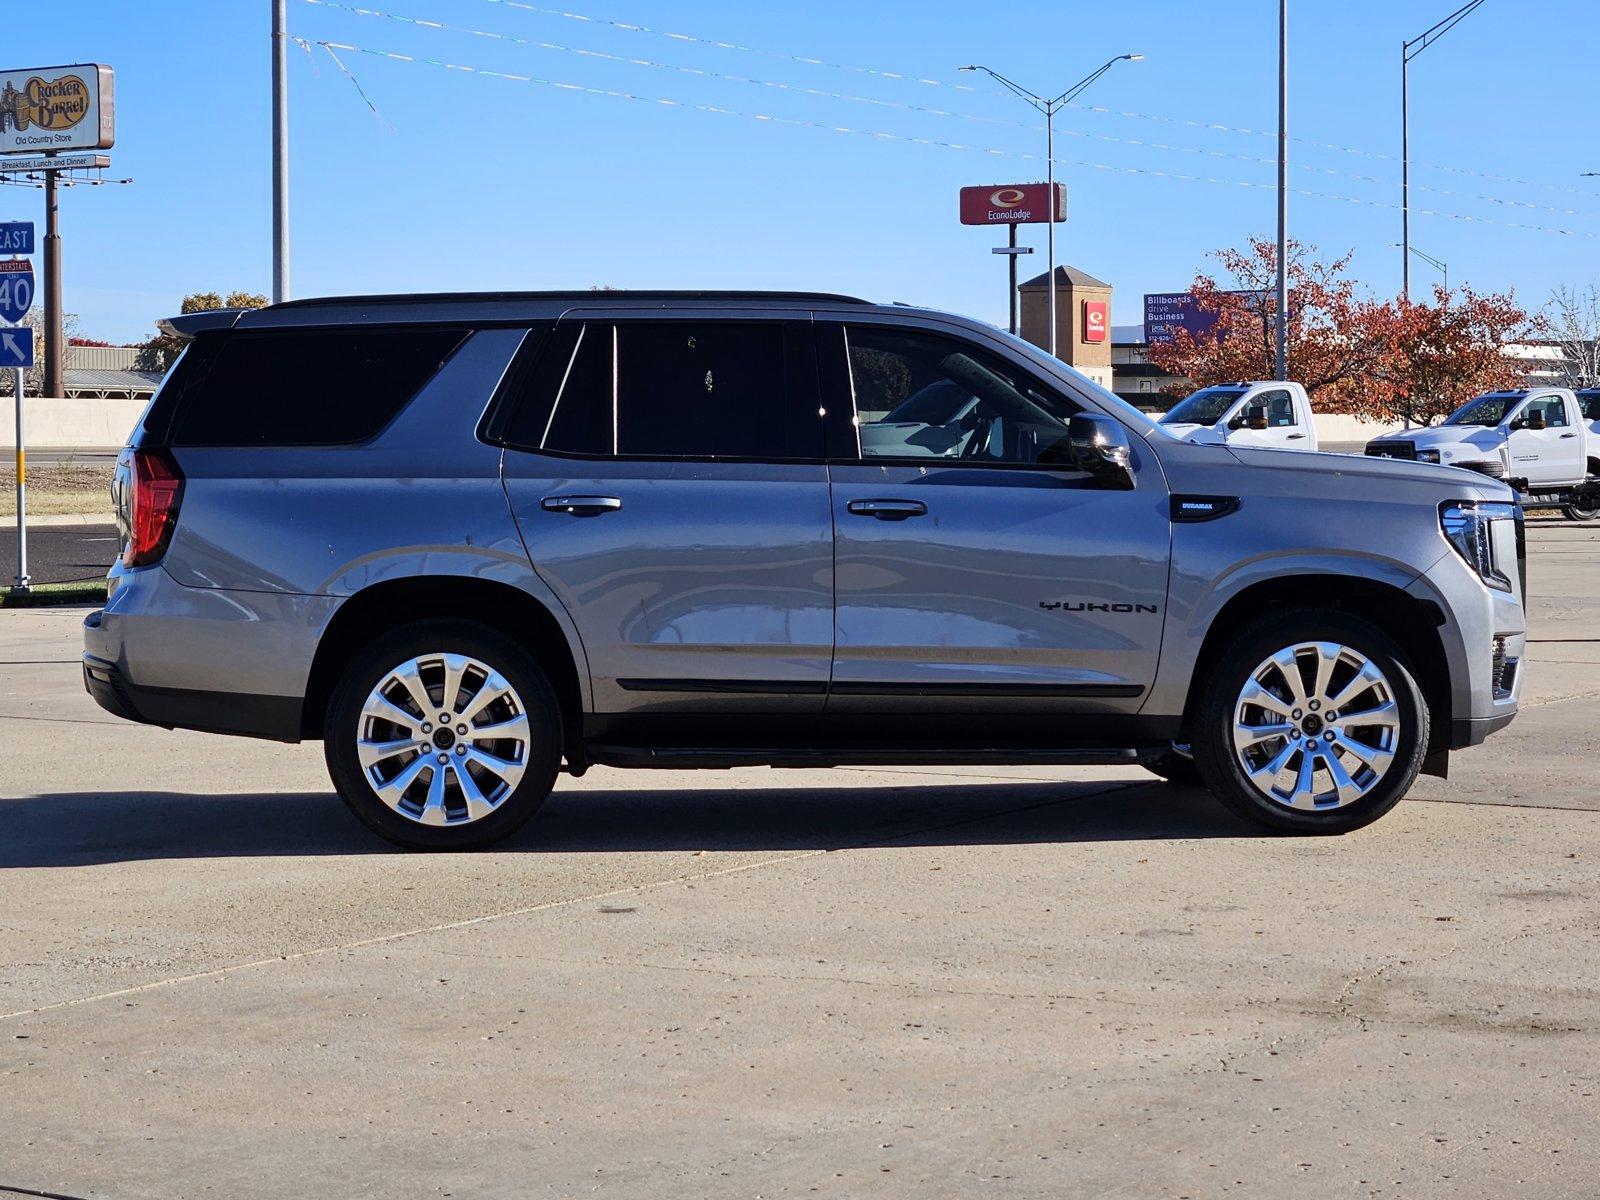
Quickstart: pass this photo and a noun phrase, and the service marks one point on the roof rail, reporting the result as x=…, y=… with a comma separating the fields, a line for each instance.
x=591, y=297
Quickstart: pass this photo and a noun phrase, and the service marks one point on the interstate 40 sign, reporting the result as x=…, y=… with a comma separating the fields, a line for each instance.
x=16, y=289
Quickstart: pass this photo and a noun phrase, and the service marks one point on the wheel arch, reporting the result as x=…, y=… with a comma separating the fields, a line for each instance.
x=1411, y=622
x=507, y=609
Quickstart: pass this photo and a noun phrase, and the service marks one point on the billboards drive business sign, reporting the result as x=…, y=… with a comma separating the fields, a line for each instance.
x=1011, y=204
x=57, y=108
x=1167, y=312
x=1096, y=320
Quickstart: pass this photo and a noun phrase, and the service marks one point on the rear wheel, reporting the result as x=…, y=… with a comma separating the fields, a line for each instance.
x=1579, y=512
x=1312, y=722
x=443, y=735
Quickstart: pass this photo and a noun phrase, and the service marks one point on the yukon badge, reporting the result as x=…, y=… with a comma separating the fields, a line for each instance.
x=1096, y=607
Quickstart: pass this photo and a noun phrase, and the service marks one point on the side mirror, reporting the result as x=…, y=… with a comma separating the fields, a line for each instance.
x=1099, y=446
x=1255, y=416
x=1536, y=419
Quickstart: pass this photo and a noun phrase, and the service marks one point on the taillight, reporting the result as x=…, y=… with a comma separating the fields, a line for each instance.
x=155, y=489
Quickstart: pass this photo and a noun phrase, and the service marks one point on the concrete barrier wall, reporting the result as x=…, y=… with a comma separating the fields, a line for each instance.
x=79, y=424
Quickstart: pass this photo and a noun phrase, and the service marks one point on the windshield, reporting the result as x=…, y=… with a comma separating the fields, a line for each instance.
x=1205, y=407
x=1485, y=410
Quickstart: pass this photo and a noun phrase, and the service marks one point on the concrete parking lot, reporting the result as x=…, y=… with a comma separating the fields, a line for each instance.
x=769, y=983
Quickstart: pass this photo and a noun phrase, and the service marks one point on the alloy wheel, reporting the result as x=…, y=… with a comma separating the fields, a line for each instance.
x=1316, y=726
x=443, y=739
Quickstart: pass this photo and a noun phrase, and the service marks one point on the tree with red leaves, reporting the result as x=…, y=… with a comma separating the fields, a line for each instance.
x=1333, y=338
x=1435, y=357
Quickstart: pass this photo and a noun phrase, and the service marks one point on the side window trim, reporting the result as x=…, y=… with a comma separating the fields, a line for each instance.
x=800, y=392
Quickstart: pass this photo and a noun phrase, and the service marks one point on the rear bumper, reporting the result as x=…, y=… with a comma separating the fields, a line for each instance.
x=275, y=717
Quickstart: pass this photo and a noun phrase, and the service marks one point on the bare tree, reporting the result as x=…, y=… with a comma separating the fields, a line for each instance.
x=33, y=377
x=1573, y=319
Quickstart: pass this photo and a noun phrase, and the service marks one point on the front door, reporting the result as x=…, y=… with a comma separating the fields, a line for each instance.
x=1553, y=454
x=667, y=478
x=975, y=568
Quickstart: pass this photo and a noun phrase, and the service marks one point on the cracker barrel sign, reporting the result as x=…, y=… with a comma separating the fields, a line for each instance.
x=57, y=108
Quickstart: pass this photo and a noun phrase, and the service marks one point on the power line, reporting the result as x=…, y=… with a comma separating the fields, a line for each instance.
x=631, y=27
x=882, y=135
x=493, y=35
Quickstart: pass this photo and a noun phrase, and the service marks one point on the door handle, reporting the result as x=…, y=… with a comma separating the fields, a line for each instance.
x=887, y=510
x=581, y=506
x=1565, y=436
x=1294, y=437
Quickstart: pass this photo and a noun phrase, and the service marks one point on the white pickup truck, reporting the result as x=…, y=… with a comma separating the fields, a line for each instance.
x=1545, y=442
x=1268, y=413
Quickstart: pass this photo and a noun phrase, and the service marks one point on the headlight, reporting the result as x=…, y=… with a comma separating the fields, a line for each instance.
x=1428, y=456
x=1469, y=526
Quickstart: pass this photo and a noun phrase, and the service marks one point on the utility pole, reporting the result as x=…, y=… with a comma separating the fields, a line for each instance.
x=280, y=152
x=53, y=330
x=1283, y=190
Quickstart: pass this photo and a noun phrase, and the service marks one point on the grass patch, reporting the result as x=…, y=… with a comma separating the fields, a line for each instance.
x=44, y=595
x=58, y=488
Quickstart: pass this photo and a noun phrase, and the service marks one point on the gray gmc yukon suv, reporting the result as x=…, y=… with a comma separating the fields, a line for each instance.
x=469, y=541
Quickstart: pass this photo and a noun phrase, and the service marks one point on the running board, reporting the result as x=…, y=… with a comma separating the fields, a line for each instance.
x=724, y=758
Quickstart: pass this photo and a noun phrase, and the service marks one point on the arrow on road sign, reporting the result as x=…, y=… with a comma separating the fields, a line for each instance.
x=16, y=348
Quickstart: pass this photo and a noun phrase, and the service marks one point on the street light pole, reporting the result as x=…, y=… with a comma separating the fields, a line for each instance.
x=1283, y=190
x=1442, y=268
x=280, y=152
x=1049, y=108
x=1408, y=51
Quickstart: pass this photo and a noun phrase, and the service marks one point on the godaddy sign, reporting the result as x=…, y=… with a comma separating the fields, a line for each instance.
x=57, y=108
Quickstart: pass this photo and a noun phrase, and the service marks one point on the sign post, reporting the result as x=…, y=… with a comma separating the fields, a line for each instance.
x=1013, y=205
x=47, y=111
x=16, y=352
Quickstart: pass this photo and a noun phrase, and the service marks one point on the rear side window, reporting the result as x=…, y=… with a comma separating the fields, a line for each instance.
x=309, y=387
x=674, y=389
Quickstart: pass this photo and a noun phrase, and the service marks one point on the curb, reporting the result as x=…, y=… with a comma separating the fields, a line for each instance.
x=51, y=520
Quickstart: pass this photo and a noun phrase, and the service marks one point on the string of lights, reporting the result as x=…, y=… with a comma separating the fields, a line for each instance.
x=1162, y=147
x=1211, y=126
x=882, y=135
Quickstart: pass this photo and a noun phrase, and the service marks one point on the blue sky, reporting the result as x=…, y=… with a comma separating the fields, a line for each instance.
x=470, y=181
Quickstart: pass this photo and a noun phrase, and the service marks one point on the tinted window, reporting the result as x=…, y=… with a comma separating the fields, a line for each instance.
x=188, y=372
x=1589, y=402
x=577, y=372
x=673, y=389
x=309, y=387
x=708, y=389
x=920, y=395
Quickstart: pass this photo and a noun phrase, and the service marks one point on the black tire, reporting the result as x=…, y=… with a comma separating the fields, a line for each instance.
x=540, y=758
x=1176, y=768
x=1252, y=645
x=1574, y=512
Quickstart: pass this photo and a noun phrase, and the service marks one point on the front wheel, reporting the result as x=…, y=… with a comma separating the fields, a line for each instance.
x=443, y=735
x=1312, y=722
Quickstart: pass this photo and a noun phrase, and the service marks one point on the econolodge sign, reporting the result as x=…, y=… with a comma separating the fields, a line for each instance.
x=1096, y=320
x=57, y=108
x=1011, y=204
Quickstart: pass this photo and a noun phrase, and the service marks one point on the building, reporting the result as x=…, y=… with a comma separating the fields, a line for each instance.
x=1134, y=377
x=106, y=373
x=1083, y=320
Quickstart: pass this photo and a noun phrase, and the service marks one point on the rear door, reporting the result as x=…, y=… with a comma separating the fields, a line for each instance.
x=668, y=479
x=976, y=569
